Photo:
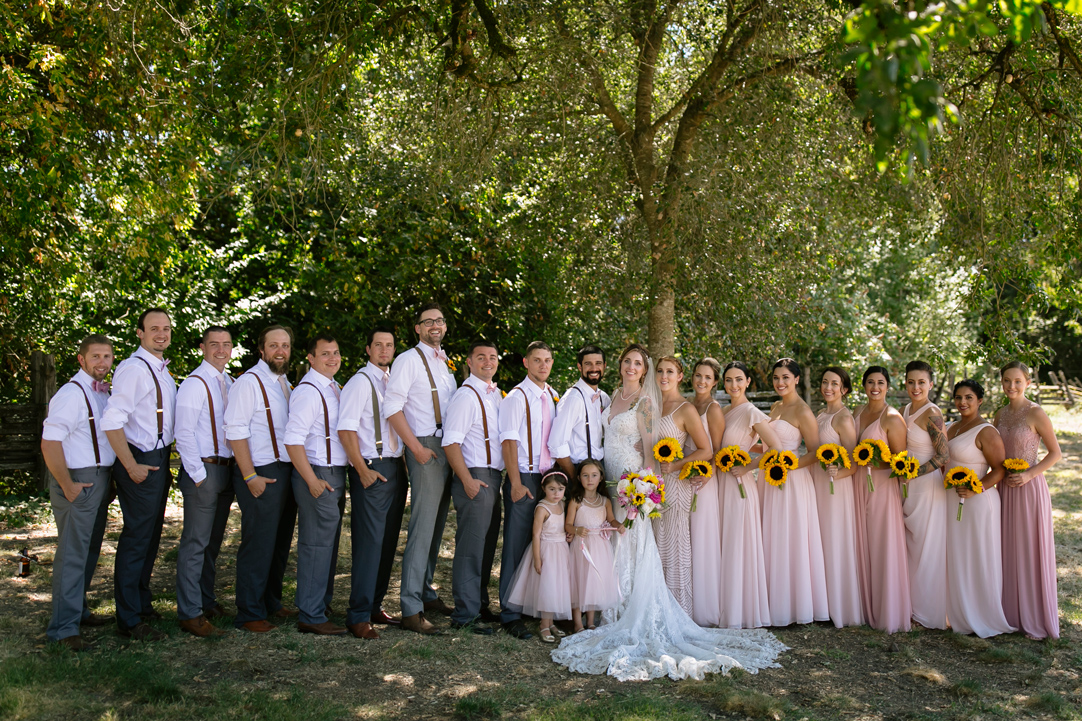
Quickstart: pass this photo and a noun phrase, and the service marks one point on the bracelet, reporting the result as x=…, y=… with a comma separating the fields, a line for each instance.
x=246, y=479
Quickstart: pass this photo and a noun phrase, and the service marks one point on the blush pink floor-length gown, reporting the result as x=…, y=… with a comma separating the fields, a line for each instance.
x=837, y=524
x=974, y=550
x=742, y=578
x=1030, y=599
x=673, y=529
x=706, y=547
x=795, y=573
x=925, y=516
x=883, y=567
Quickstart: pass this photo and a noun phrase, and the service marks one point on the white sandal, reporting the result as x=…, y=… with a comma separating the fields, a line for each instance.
x=546, y=635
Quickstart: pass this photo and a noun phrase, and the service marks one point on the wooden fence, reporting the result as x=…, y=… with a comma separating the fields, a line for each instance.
x=20, y=423
x=1060, y=391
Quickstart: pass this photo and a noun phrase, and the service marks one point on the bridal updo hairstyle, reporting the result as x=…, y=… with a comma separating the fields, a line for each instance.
x=977, y=388
x=847, y=382
x=918, y=366
x=1019, y=365
x=713, y=365
x=576, y=492
x=875, y=369
x=641, y=350
x=788, y=364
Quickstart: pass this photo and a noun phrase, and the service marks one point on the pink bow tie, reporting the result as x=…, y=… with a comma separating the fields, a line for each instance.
x=595, y=397
x=440, y=355
x=100, y=386
x=491, y=388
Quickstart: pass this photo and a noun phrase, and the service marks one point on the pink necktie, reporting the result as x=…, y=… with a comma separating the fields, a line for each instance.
x=546, y=424
x=99, y=386
x=224, y=391
x=285, y=387
x=392, y=437
x=595, y=397
x=386, y=379
x=337, y=392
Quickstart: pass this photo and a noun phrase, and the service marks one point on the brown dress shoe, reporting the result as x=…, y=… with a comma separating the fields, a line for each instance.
x=215, y=611
x=151, y=615
x=285, y=612
x=260, y=626
x=95, y=620
x=201, y=627
x=322, y=629
x=363, y=630
x=381, y=617
x=438, y=606
x=75, y=643
x=418, y=624
x=141, y=632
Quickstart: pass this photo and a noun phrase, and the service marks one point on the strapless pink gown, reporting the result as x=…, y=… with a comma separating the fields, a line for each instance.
x=706, y=549
x=1030, y=599
x=925, y=513
x=974, y=550
x=742, y=578
x=795, y=574
x=883, y=569
x=837, y=525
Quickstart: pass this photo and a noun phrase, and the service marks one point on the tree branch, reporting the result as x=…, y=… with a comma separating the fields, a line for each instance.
x=1063, y=43
x=647, y=66
x=492, y=27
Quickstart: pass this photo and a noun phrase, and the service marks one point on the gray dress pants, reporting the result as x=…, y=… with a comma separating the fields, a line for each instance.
x=430, y=497
x=474, y=519
x=75, y=522
x=374, y=528
x=143, y=506
x=517, y=535
x=318, y=523
x=206, y=513
x=264, y=522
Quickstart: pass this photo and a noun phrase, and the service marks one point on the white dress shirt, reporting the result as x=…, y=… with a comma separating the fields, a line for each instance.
x=409, y=390
x=309, y=427
x=68, y=421
x=463, y=424
x=513, y=422
x=246, y=416
x=195, y=437
x=567, y=439
x=133, y=404
x=356, y=413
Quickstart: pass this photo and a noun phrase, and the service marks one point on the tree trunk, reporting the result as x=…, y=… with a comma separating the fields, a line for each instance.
x=662, y=321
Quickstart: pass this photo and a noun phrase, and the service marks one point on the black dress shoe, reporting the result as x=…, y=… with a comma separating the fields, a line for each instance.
x=438, y=606
x=517, y=629
x=478, y=628
x=488, y=616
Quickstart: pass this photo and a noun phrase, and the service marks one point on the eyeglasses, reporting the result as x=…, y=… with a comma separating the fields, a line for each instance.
x=429, y=322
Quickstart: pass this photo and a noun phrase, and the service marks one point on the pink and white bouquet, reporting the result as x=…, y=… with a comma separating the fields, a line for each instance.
x=642, y=493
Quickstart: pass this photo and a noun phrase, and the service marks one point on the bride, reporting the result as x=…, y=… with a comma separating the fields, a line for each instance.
x=649, y=635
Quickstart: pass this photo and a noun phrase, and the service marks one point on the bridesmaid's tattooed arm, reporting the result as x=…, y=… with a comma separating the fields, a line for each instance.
x=939, y=442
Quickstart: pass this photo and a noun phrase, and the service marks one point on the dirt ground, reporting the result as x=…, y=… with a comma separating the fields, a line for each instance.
x=850, y=673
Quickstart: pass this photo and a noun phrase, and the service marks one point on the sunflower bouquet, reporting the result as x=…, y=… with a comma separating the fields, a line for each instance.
x=904, y=466
x=1015, y=465
x=775, y=466
x=642, y=493
x=871, y=452
x=962, y=477
x=668, y=450
x=729, y=458
x=832, y=454
x=695, y=469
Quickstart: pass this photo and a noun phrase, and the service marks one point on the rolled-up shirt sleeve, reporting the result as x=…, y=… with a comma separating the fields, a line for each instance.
x=569, y=413
x=356, y=397
x=461, y=416
x=511, y=414
x=61, y=421
x=191, y=399
x=302, y=415
x=240, y=409
x=398, y=386
x=129, y=385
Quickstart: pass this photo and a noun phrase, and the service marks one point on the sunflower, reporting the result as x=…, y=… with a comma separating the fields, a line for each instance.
x=451, y=366
x=703, y=467
x=827, y=454
x=668, y=450
x=1015, y=465
x=962, y=477
x=787, y=459
x=901, y=466
x=724, y=460
x=863, y=453
x=766, y=459
x=776, y=474
x=912, y=466
x=740, y=456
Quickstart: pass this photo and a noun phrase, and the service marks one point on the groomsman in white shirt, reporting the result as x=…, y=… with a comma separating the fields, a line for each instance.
x=377, y=485
x=471, y=441
x=80, y=460
x=577, y=431
x=319, y=481
x=206, y=481
x=255, y=419
x=526, y=416
x=419, y=389
x=138, y=421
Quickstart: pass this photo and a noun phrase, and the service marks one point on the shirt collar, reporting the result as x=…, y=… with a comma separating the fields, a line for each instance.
x=208, y=371
x=374, y=370
x=83, y=378
x=530, y=387
x=264, y=369
x=317, y=379
x=475, y=382
x=157, y=363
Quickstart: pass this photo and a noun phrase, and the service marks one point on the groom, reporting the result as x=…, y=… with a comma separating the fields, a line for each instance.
x=577, y=432
x=526, y=416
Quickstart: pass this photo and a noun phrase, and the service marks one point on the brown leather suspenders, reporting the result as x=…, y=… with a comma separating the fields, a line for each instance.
x=93, y=428
x=161, y=405
x=529, y=424
x=375, y=415
x=270, y=417
x=484, y=425
x=326, y=418
x=435, y=393
x=210, y=403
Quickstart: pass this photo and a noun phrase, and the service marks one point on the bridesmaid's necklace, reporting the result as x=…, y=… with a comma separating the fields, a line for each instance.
x=967, y=423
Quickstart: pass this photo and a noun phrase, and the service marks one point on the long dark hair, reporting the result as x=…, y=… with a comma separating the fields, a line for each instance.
x=577, y=492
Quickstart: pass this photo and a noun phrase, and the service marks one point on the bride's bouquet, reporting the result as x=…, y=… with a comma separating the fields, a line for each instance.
x=642, y=493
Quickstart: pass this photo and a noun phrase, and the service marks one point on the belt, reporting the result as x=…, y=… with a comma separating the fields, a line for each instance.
x=218, y=461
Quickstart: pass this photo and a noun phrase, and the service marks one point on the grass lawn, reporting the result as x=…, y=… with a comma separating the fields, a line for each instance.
x=853, y=673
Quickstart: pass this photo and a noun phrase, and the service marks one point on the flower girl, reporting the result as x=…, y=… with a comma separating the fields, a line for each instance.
x=541, y=585
x=589, y=520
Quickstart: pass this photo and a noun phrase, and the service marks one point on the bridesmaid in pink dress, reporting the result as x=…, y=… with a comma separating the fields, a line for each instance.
x=974, y=544
x=924, y=506
x=742, y=580
x=1030, y=599
x=880, y=530
x=706, y=518
x=837, y=521
x=795, y=573
x=673, y=530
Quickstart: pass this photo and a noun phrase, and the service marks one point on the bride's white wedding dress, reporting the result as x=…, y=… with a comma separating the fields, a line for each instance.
x=649, y=635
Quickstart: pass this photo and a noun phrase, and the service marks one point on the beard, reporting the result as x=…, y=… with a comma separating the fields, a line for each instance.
x=592, y=378
x=277, y=367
